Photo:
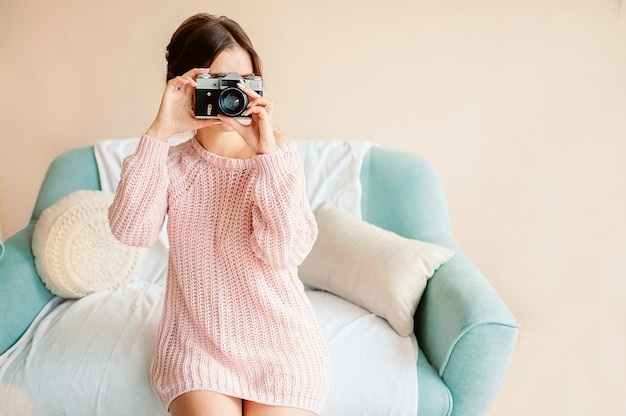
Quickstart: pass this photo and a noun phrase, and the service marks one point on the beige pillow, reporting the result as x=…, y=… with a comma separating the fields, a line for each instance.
x=76, y=253
x=374, y=268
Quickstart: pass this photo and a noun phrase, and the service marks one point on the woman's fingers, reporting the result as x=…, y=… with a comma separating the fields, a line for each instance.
x=261, y=111
x=249, y=91
x=179, y=83
x=259, y=101
x=193, y=73
x=255, y=100
x=258, y=134
x=187, y=79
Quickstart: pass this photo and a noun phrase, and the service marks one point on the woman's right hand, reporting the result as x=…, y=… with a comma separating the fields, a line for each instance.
x=176, y=114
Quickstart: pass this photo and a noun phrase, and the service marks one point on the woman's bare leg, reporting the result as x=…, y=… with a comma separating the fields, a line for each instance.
x=258, y=409
x=205, y=403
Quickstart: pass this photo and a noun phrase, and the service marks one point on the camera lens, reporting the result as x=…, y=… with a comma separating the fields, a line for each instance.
x=232, y=102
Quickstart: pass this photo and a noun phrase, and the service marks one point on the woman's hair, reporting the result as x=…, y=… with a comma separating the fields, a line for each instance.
x=200, y=38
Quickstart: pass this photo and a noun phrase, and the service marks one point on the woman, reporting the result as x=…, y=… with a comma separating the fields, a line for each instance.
x=238, y=335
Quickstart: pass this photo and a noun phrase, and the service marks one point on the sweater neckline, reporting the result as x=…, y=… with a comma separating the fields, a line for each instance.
x=223, y=162
x=218, y=161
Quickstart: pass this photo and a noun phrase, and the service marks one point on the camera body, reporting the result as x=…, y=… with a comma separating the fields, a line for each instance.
x=221, y=95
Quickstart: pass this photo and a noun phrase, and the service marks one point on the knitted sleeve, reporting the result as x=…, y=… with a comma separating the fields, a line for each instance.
x=138, y=209
x=283, y=226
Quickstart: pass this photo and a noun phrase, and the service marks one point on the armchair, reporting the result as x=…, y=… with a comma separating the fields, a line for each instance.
x=465, y=331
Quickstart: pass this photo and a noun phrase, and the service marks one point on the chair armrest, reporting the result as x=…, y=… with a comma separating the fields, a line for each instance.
x=22, y=294
x=468, y=334
x=464, y=328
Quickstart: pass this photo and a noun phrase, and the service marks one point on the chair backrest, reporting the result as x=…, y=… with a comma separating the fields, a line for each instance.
x=402, y=192
x=73, y=170
x=22, y=293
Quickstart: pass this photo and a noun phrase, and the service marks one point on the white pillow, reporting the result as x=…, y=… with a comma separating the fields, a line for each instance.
x=75, y=252
x=374, y=268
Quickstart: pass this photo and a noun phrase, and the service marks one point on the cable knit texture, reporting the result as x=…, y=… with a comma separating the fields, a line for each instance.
x=235, y=318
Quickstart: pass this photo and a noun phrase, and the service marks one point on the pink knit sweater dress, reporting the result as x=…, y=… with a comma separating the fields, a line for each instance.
x=236, y=319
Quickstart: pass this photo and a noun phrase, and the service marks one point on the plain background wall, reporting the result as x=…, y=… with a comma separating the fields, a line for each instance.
x=521, y=105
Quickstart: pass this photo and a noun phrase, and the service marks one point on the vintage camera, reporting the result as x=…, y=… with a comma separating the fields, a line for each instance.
x=220, y=95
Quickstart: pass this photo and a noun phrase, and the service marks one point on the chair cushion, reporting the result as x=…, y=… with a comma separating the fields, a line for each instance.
x=76, y=253
x=371, y=267
x=91, y=356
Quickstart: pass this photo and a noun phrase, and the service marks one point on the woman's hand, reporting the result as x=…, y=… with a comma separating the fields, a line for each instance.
x=176, y=114
x=259, y=134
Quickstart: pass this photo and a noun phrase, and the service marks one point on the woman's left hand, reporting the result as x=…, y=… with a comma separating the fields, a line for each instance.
x=259, y=134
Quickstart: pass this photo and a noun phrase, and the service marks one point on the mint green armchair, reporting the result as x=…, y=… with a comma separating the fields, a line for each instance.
x=465, y=331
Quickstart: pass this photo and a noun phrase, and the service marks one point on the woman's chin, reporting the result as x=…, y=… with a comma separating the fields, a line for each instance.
x=220, y=127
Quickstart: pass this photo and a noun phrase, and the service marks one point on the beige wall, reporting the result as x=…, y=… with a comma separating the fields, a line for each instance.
x=520, y=105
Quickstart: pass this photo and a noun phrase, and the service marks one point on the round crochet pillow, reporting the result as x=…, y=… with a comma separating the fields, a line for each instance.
x=75, y=252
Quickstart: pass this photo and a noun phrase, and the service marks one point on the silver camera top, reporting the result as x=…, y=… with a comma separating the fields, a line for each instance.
x=206, y=81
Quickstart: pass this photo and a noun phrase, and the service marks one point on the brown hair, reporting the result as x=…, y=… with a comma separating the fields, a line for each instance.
x=200, y=38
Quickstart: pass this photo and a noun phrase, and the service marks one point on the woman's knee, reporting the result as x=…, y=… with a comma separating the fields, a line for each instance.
x=258, y=409
x=205, y=403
